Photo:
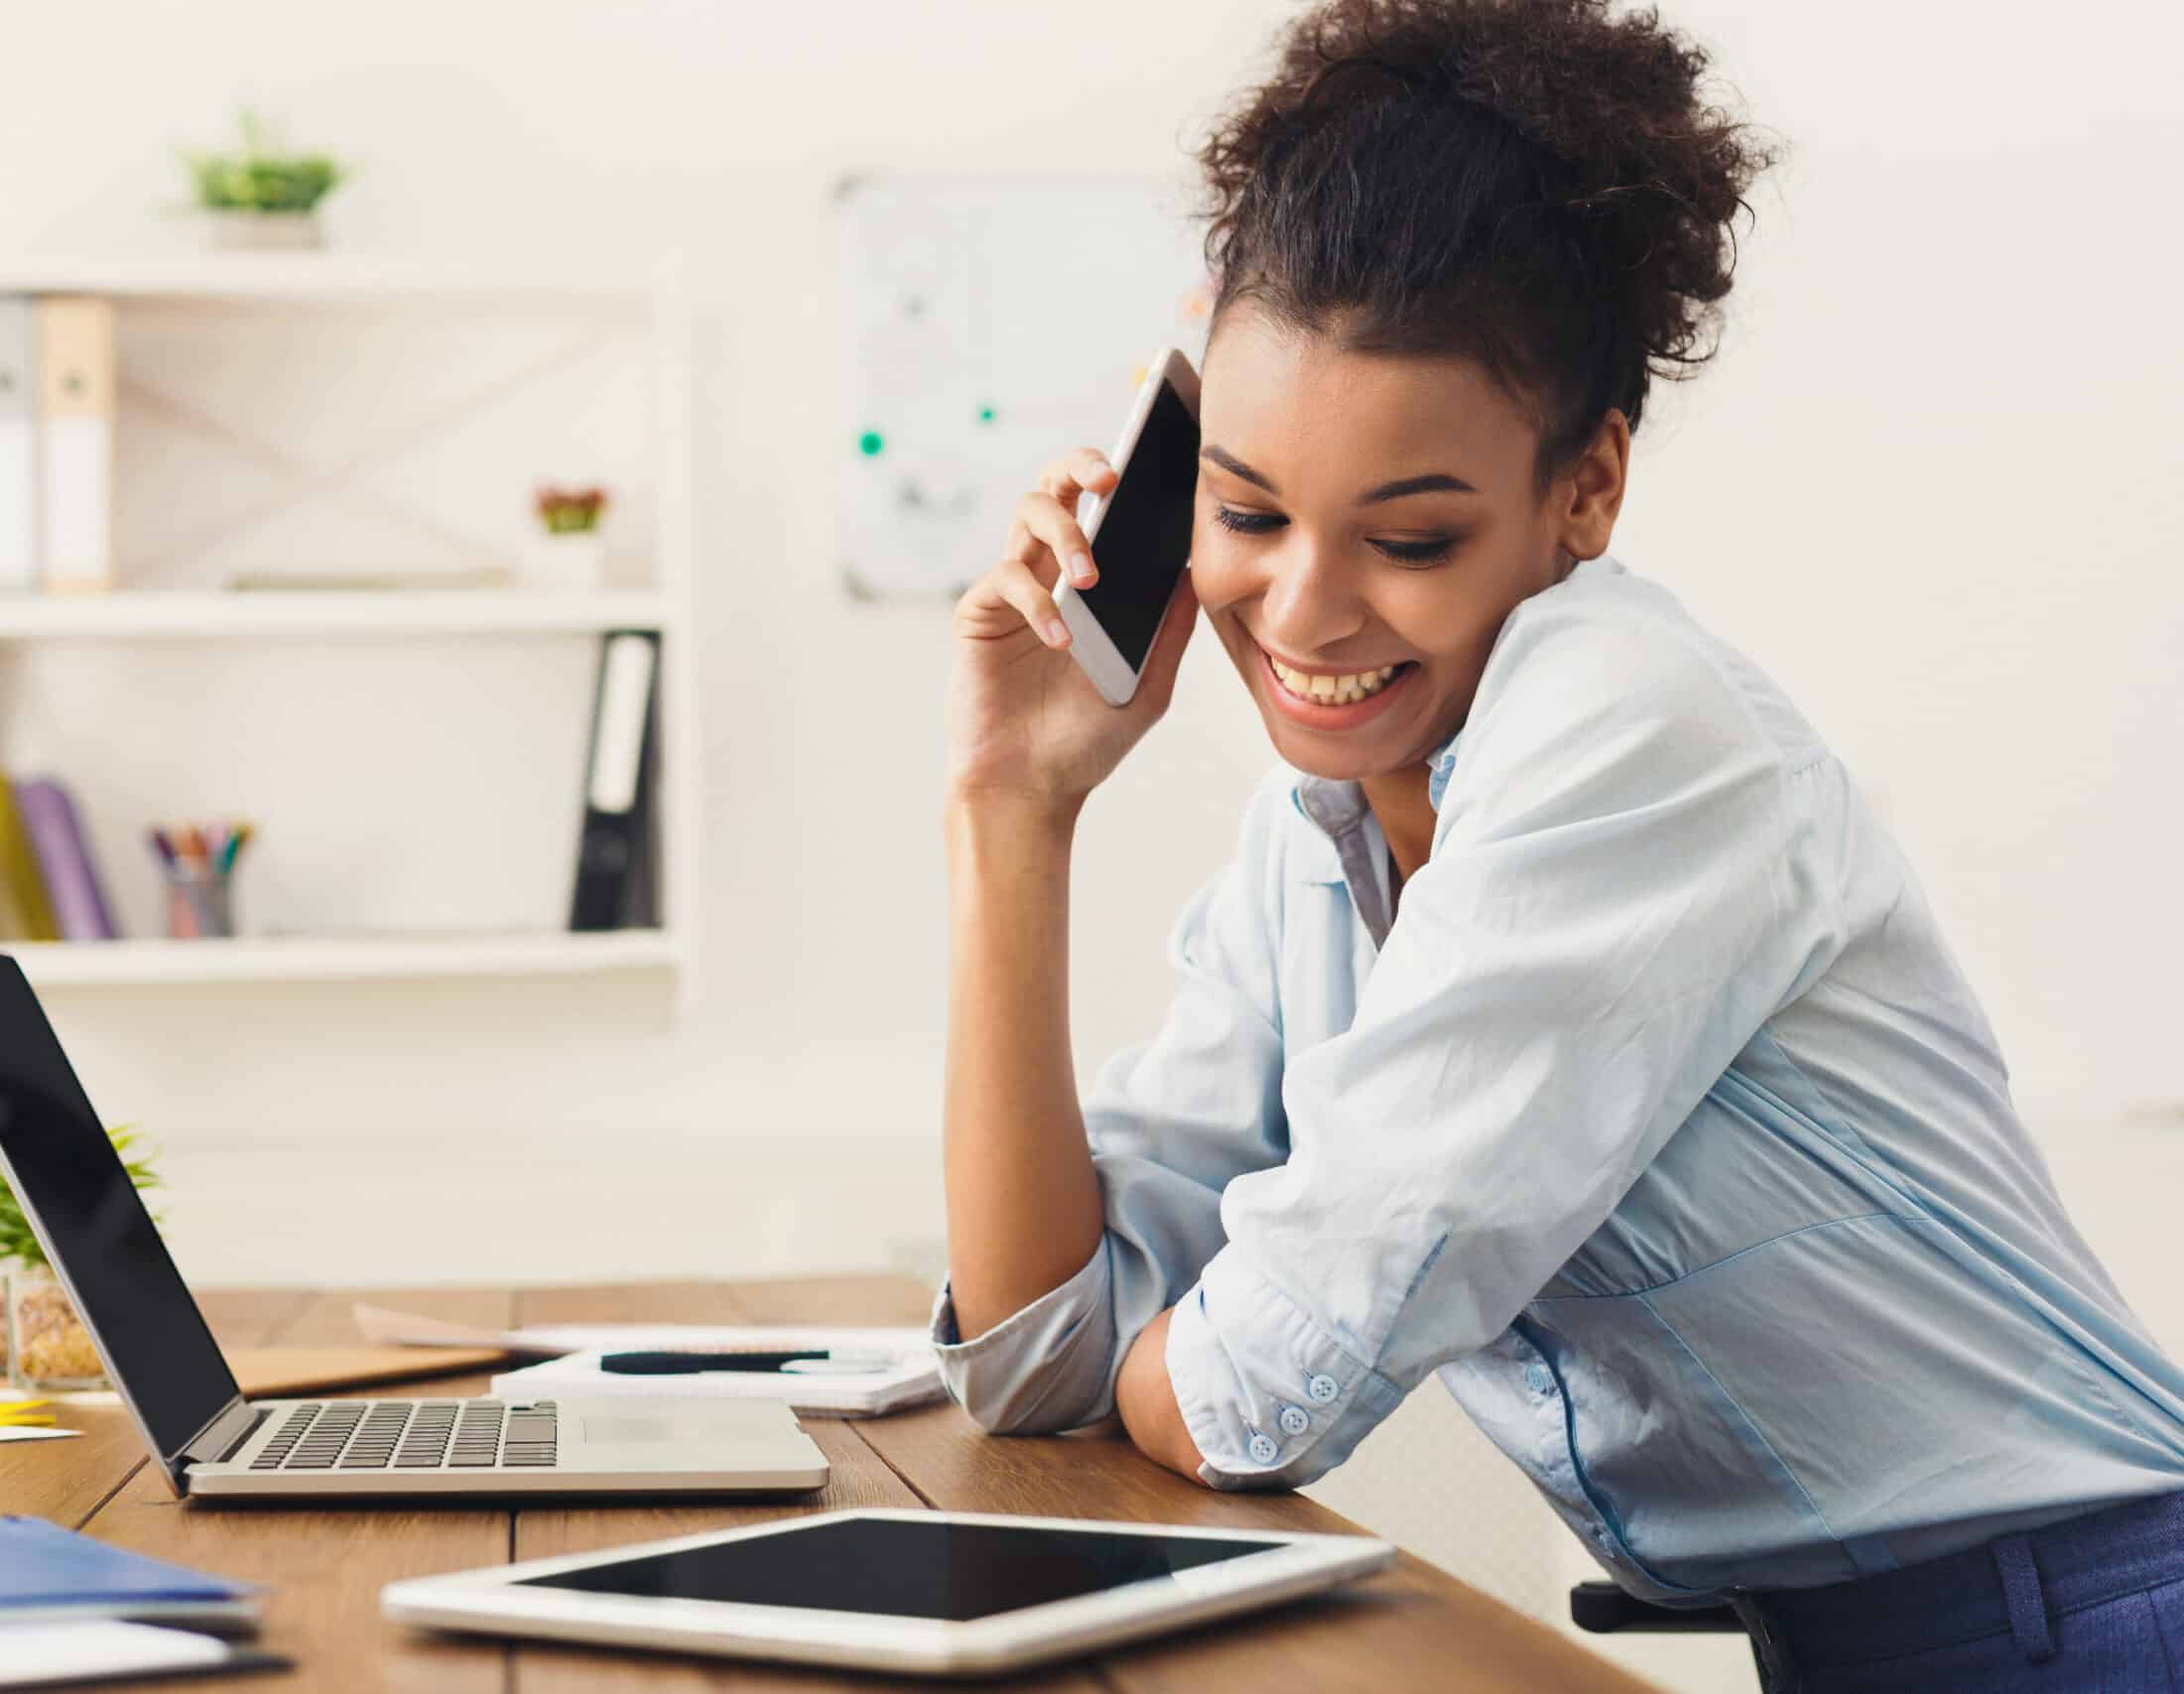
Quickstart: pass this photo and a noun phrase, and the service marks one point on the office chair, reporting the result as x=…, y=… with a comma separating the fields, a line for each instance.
x=1603, y=1609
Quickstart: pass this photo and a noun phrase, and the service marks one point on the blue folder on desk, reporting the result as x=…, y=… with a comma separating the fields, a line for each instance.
x=48, y=1573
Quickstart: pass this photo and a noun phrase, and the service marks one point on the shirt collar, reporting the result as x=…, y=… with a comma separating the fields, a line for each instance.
x=1334, y=807
x=1442, y=765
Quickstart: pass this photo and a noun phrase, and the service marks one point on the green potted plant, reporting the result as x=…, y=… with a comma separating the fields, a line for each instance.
x=263, y=197
x=48, y=1345
x=570, y=555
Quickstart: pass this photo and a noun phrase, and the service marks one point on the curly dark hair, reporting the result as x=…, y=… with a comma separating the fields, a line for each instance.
x=1534, y=184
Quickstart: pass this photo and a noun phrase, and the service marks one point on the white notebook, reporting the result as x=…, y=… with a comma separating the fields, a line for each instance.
x=72, y=343
x=18, y=447
x=103, y=1649
x=910, y=1378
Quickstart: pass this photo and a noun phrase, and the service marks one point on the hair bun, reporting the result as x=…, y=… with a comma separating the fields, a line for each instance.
x=1407, y=159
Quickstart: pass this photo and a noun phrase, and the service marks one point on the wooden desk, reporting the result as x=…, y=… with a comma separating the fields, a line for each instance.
x=1411, y=1627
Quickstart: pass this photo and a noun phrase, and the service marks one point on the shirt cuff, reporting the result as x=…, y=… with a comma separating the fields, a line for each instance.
x=1269, y=1398
x=1049, y=1365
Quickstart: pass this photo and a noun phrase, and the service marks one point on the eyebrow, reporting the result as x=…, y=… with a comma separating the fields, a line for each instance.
x=1431, y=482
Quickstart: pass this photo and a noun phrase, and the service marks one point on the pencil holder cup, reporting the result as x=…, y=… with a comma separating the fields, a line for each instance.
x=199, y=904
x=49, y=1346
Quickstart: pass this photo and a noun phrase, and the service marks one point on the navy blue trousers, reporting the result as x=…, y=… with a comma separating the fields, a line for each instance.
x=2092, y=1602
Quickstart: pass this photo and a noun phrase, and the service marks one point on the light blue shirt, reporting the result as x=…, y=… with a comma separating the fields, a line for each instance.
x=1661, y=1124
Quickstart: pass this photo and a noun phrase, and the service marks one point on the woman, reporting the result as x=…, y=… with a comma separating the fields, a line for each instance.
x=1565, y=1023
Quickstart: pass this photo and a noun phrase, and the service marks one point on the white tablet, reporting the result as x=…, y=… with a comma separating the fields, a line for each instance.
x=937, y=1592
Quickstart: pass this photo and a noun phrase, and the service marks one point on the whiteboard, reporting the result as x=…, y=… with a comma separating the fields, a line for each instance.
x=994, y=323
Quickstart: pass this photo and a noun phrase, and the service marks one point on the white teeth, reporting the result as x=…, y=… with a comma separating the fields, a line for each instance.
x=1336, y=690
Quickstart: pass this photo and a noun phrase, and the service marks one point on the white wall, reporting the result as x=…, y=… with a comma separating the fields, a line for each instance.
x=1932, y=483
x=811, y=1042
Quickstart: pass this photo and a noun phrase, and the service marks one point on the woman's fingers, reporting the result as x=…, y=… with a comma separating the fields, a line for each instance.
x=1076, y=472
x=1044, y=541
x=1047, y=525
x=1090, y=469
x=1081, y=469
x=1027, y=549
x=1013, y=580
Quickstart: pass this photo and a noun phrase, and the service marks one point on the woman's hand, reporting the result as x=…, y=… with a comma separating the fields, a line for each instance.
x=1024, y=722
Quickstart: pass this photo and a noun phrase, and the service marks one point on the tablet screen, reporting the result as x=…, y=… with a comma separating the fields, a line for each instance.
x=905, y=1569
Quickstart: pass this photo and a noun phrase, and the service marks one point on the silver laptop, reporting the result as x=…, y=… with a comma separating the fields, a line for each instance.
x=212, y=1443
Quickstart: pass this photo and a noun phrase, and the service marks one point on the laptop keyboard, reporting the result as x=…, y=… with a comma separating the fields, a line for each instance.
x=412, y=1435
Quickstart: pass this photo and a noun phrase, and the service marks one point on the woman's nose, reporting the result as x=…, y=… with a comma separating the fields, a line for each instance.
x=1307, y=604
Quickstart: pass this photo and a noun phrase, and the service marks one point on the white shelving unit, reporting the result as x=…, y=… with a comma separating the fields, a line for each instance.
x=332, y=276
x=337, y=959
x=152, y=615
x=176, y=611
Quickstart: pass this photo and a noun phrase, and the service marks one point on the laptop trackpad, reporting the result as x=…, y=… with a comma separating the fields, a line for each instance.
x=629, y=1431
x=678, y=1433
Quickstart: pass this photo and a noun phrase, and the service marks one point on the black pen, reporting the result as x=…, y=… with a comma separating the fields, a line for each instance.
x=687, y=1364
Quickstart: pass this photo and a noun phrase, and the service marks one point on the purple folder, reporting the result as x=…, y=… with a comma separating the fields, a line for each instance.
x=64, y=858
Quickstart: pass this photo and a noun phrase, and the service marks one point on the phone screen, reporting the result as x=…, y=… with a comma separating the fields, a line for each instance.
x=1144, y=536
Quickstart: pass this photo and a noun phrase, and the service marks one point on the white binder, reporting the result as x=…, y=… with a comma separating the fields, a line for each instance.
x=75, y=353
x=17, y=456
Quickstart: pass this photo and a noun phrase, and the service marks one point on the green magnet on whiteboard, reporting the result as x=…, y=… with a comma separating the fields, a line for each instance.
x=985, y=414
x=869, y=442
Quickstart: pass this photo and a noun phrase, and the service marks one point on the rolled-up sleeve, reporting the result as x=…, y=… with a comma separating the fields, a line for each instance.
x=1619, y=893
x=1169, y=1122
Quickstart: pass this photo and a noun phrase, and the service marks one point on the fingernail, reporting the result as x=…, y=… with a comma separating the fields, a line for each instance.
x=1080, y=569
x=1056, y=632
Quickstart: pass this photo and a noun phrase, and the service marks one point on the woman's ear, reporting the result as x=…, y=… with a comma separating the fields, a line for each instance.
x=1593, y=488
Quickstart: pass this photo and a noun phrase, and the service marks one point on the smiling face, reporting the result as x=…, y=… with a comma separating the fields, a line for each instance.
x=1365, y=523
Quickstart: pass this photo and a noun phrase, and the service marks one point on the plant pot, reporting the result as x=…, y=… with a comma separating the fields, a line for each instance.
x=231, y=230
x=572, y=562
x=48, y=1345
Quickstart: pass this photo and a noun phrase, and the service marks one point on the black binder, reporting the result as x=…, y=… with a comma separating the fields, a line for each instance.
x=617, y=887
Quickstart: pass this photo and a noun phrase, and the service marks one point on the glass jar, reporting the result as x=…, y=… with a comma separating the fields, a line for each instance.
x=47, y=1346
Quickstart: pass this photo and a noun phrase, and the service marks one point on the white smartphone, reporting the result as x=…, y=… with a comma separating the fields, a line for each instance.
x=1140, y=532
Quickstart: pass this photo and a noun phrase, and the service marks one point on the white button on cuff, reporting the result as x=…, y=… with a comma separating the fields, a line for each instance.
x=1321, y=1388
x=1294, y=1421
x=1538, y=1378
x=1262, y=1449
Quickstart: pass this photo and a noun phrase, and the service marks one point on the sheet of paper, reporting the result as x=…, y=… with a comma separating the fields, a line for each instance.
x=896, y=1340
x=403, y=1329
x=407, y=1329
x=29, y=1432
x=53, y=1652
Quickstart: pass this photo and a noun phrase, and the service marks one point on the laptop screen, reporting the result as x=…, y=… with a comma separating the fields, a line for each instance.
x=57, y=1158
